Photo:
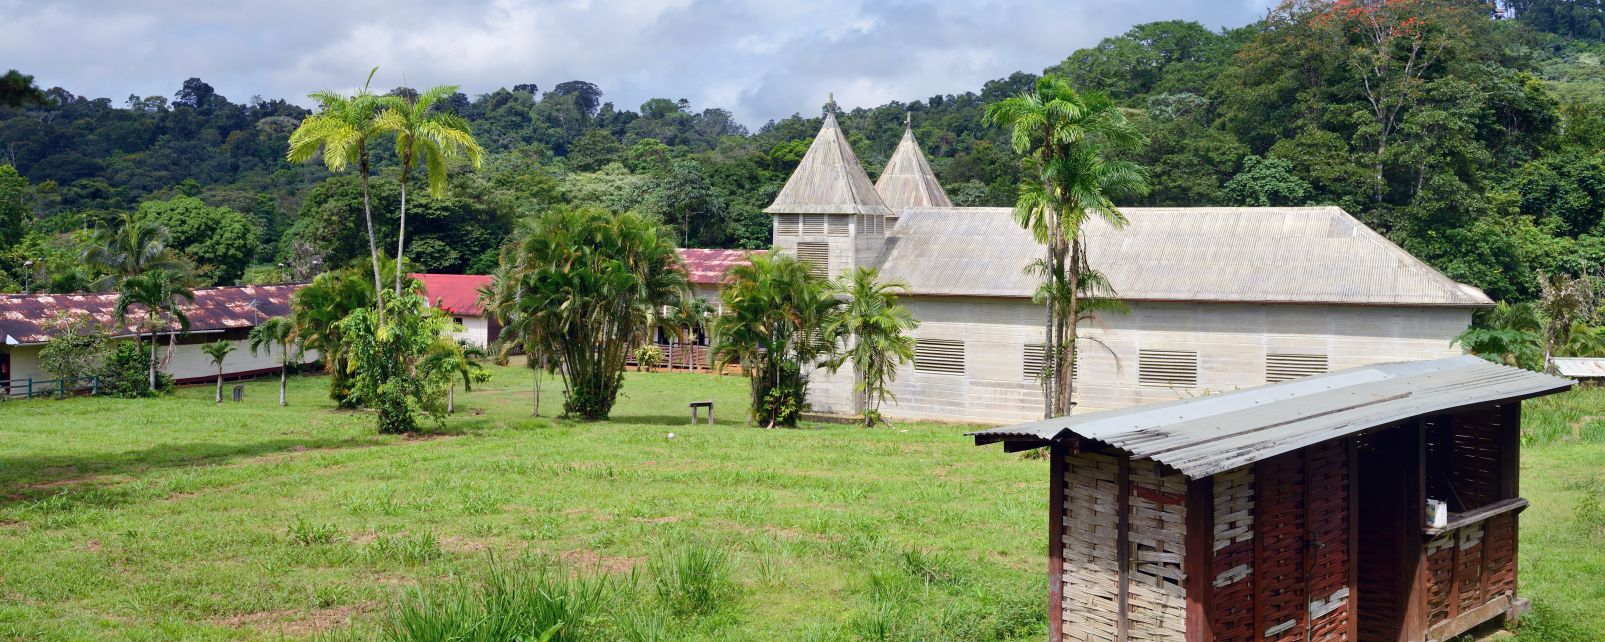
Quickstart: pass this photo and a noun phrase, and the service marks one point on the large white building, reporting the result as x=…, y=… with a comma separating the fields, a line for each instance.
x=1220, y=298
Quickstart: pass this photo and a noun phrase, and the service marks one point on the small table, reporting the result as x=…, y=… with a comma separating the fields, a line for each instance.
x=702, y=404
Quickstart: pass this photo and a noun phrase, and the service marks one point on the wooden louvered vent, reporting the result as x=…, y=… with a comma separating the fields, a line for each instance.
x=1167, y=368
x=1032, y=362
x=838, y=225
x=786, y=225
x=939, y=356
x=1284, y=367
x=813, y=224
x=816, y=256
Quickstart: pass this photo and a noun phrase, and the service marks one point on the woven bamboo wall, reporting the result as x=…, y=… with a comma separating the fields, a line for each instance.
x=1156, y=596
x=1330, y=604
x=1091, y=566
x=1233, y=615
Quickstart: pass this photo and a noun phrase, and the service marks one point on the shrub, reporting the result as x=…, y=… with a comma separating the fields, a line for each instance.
x=77, y=350
x=648, y=357
x=124, y=373
x=694, y=579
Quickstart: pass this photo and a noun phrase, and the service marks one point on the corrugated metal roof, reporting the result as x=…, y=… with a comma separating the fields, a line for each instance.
x=707, y=266
x=1580, y=367
x=829, y=180
x=25, y=318
x=1234, y=254
x=1208, y=435
x=908, y=180
x=455, y=293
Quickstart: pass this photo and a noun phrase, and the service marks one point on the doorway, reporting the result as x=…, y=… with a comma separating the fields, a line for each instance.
x=1387, y=459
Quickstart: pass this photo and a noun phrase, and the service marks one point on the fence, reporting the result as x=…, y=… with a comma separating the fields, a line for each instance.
x=58, y=388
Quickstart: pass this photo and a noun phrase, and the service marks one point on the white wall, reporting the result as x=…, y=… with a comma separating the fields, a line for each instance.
x=188, y=361
x=476, y=331
x=1230, y=339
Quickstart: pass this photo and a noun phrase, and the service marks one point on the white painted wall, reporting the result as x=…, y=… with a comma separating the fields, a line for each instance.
x=188, y=361
x=1230, y=339
x=476, y=331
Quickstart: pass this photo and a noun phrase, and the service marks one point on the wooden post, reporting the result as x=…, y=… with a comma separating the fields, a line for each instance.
x=1123, y=547
x=1200, y=558
x=1353, y=445
x=1510, y=483
x=1058, y=463
x=1415, y=514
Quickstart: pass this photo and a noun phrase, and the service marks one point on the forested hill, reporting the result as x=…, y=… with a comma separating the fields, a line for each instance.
x=1474, y=142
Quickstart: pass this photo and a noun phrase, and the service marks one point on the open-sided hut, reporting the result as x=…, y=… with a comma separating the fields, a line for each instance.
x=1291, y=511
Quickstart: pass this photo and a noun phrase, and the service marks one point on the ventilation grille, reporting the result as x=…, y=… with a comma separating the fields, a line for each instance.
x=1284, y=367
x=786, y=225
x=1033, y=362
x=816, y=256
x=939, y=356
x=838, y=225
x=873, y=223
x=1167, y=368
x=813, y=224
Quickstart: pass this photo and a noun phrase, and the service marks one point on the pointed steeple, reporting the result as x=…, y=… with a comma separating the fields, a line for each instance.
x=829, y=180
x=908, y=180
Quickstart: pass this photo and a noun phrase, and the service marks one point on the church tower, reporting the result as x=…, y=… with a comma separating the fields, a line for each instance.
x=908, y=180
x=829, y=215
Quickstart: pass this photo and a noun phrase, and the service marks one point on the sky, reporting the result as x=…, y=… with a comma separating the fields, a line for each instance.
x=761, y=60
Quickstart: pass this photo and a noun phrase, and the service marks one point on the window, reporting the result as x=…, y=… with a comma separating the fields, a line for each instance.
x=838, y=225
x=1284, y=367
x=786, y=225
x=873, y=223
x=1167, y=368
x=813, y=224
x=939, y=356
x=816, y=256
x=457, y=320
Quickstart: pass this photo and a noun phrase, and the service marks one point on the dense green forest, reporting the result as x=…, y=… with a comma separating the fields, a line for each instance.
x=1473, y=141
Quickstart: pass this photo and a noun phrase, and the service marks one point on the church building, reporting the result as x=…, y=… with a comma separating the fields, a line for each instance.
x=1220, y=298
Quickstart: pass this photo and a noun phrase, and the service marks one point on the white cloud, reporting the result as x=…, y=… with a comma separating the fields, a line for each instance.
x=759, y=59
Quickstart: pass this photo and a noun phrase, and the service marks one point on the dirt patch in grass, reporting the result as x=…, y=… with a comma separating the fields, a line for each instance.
x=587, y=560
x=297, y=622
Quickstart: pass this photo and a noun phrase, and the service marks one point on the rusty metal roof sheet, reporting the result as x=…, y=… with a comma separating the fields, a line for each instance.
x=708, y=266
x=25, y=318
x=1208, y=435
x=1231, y=254
x=1579, y=367
x=828, y=180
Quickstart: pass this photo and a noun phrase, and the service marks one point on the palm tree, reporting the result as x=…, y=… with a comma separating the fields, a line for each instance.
x=341, y=130
x=775, y=311
x=317, y=311
x=686, y=315
x=1562, y=301
x=451, y=359
x=279, y=331
x=428, y=136
x=1067, y=136
x=134, y=247
x=158, y=291
x=218, y=351
x=874, y=327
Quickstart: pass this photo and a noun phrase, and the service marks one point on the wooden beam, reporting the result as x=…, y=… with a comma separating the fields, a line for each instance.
x=1415, y=514
x=1199, y=558
x=1353, y=446
x=1058, y=465
x=1448, y=629
x=1256, y=592
x=1510, y=450
x=1123, y=548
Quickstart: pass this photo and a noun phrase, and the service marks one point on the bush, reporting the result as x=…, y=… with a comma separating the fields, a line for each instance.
x=648, y=357
x=125, y=372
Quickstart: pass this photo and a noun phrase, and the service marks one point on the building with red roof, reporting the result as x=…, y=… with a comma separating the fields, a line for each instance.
x=458, y=295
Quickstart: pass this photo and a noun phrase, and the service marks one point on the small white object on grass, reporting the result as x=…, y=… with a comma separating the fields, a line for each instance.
x=671, y=435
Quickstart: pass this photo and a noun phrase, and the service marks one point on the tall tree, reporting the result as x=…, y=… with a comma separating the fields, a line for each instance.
x=17, y=89
x=217, y=351
x=159, y=292
x=1068, y=137
x=341, y=130
x=428, y=136
x=135, y=246
x=873, y=326
x=14, y=211
x=280, y=332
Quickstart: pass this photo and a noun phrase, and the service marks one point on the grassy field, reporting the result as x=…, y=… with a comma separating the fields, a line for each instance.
x=178, y=519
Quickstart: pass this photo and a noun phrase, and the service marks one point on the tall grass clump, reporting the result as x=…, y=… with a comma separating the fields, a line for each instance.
x=526, y=603
x=694, y=579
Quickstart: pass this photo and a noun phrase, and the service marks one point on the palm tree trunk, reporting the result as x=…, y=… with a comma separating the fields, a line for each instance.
x=219, y=383
x=1071, y=320
x=451, y=398
x=538, y=385
x=284, y=366
x=153, y=360
x=401, y=234
x=373, y=244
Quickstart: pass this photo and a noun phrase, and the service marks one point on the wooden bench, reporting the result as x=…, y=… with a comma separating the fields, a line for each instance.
x=702, y=404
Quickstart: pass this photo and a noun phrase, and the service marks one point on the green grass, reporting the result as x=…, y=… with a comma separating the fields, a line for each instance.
x=176, y=518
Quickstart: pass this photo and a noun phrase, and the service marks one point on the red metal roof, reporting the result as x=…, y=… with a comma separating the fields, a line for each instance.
x=25, y=318
x=707, y=267
x=455, y=293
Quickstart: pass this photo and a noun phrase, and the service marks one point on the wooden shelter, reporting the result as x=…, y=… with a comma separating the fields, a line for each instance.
x=1291, y=511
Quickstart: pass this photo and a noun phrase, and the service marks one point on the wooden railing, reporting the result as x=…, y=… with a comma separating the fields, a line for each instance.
x=1471, y=568
x=30, y=387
